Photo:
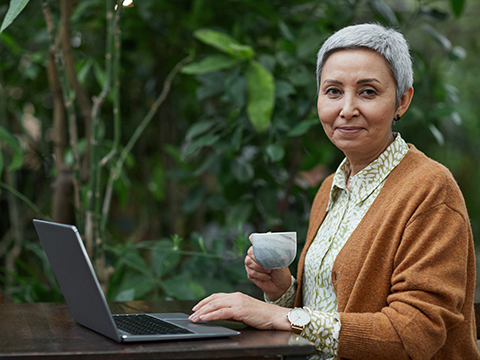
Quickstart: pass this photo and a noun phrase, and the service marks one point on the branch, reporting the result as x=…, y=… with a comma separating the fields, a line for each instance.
x=116, y=170
x=93, y=193
x=26, y=200
x=68, y=96
x=82, y=98
x=116, y=86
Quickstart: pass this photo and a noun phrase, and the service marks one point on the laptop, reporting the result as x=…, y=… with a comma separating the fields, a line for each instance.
x=87, y=303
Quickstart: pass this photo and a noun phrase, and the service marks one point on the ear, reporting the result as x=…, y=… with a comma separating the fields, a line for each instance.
x=405, y=101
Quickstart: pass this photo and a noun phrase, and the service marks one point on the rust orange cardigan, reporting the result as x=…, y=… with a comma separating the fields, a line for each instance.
x=405, y=279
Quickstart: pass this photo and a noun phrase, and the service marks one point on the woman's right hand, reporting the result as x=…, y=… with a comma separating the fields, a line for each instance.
x=274, y=283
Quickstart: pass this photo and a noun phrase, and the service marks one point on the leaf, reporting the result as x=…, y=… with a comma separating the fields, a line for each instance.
x=386, y=11
x=156, y=185
x=458, y=53
x=17, y=158
x=11, y=44
x=199, y=128
x=441, y=39
x=135, y=261
x=99, y=74
x=285, y=31
x=126, y=295
x=299, y=75
x=15, y=8
x=308, y=46
x=182, y=288
x=163, y=261
x=84, y=71
x=457, y=7
x=212, y=84
x=10, y=139
x=283, y=89
x=17, y=162
x=261, y=95
x=225, y=43
x=434, y=14
x=438, y=135
x=238, y=214
x=275, y=152
x=235, y=91
x=193, y=200
x=211, y=63
x=456, y=118
x=206, y=140
x=302, y=128
x=242, y=170
x=136, y=284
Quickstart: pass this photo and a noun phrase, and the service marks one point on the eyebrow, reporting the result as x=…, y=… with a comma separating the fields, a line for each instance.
x=367, y=81
x=362, y=81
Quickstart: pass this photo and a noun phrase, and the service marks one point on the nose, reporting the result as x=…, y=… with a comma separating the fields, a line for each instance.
x=349, y=107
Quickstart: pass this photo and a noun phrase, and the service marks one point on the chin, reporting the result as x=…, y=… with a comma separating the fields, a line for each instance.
x=349, y=146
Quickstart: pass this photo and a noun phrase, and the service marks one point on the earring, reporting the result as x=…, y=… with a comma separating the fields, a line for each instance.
x=397, y=118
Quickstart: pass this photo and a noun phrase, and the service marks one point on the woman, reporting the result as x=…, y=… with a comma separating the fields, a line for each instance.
x=388, y=269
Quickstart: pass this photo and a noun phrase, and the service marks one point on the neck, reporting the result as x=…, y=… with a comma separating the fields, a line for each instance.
x=358, y=162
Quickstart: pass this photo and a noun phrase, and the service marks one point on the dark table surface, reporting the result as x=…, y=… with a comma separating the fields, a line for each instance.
x=47, y=331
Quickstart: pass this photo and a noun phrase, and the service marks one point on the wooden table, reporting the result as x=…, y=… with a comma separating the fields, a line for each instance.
x=47, y=331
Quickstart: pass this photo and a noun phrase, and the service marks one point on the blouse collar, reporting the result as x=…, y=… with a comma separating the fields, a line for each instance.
x=368, y=179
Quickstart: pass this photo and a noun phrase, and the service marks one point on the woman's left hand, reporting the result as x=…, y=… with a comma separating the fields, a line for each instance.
x=243, y=308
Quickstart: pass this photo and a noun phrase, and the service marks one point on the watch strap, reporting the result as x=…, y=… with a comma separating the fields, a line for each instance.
x=296, y=329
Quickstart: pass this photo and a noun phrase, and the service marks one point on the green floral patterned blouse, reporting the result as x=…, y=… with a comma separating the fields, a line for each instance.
x=345, y=210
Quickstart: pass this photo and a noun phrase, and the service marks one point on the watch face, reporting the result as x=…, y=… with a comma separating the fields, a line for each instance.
x=299, y=317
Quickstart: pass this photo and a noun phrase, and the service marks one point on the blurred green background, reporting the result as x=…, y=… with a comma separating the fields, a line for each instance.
x=167, y=173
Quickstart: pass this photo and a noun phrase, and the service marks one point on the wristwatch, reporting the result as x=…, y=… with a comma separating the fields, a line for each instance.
x=299, y=318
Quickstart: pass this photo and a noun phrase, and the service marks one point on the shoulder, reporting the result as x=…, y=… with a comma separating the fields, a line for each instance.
x=424, y=172
x=421, y=165
x=422, y=180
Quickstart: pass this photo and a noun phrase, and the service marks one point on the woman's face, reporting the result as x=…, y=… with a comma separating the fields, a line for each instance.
x=357, y=103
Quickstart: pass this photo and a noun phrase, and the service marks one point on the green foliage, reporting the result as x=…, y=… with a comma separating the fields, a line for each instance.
x=17, y=157
x=261, y=92
x=166, y=269
x=15, y=8
x=236, y=147
x=457, y=7
x=225, y=43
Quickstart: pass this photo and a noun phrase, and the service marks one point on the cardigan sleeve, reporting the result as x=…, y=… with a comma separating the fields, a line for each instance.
x=427, y=292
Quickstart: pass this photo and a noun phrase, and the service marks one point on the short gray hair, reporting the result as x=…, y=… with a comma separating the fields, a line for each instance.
x=388, y=42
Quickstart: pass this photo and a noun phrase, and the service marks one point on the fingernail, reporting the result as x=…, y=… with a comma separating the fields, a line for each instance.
x=195, y=308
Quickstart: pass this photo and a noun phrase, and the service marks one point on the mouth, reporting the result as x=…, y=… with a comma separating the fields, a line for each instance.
x=349, y=130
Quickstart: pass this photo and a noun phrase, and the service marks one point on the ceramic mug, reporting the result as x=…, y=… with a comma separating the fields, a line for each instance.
x=275, y=250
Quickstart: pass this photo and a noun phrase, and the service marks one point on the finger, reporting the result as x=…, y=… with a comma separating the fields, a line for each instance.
x=213, y=303
x=252, y=264
x=251, y=256
x=205, y=301
x=255, y=275
x=220, y=314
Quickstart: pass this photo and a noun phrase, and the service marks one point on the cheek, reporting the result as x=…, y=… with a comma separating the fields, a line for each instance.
x=378, y=117
x=326, y=114
x=327, y=125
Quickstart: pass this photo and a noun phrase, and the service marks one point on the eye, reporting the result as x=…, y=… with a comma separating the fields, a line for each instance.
x=333, y=91
x=368, y=92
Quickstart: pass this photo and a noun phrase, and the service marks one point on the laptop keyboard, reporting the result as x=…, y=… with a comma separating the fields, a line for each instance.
x=141, y=324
